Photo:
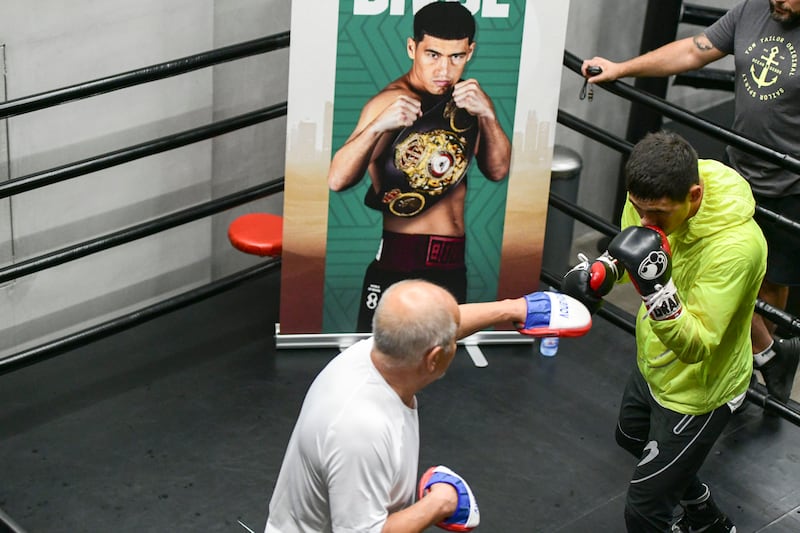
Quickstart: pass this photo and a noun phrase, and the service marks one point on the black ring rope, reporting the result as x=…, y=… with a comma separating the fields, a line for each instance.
x=699, y=15
x=758, y=395
x=631, y=93
x=138, y=231
x=777, y=217
x=138, y=151
x=58, y=346
x=35, y=102
x=583, y=215
x=778, y=316
x=593, y=132
x=623, y=146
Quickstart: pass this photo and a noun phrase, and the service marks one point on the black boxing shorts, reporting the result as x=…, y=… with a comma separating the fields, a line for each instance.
x=434, y=258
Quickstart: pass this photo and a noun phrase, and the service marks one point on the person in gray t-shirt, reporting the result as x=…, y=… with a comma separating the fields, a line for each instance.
x=764, y=38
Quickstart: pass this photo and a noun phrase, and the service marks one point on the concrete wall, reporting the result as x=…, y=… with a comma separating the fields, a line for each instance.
x=613, y=29
x=50, y=44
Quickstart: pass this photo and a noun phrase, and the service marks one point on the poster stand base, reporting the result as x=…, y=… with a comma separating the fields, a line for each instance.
x=343, y=340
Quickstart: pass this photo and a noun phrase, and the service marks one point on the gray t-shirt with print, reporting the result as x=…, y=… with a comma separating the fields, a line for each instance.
x=767, y=90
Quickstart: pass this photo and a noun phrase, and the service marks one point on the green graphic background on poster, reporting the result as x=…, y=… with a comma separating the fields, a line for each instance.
x=371, y=52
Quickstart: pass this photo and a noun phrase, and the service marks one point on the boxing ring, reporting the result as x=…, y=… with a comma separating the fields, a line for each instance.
x=19, y=185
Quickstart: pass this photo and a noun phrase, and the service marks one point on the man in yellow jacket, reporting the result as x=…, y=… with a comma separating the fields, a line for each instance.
x=696, y=256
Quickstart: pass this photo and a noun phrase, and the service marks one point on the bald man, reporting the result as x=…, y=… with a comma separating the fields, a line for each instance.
x=351, y=463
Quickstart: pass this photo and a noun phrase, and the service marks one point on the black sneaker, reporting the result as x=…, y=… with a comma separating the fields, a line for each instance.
x=721, y=524
x=779, y=371
x=703, y=516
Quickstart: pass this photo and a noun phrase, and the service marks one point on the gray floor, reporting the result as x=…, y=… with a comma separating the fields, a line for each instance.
x=179, y=425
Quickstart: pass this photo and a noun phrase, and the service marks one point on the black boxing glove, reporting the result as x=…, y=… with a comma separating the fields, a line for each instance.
x=589, y=282
x=645, y=254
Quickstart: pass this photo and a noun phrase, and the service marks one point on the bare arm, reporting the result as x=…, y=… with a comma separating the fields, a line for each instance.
x=439, y=503
x=479, y=316
x=679, y=56
x=494, y=149
x=386, y=112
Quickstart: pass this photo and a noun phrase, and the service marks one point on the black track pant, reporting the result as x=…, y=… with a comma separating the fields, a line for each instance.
x=670, y=447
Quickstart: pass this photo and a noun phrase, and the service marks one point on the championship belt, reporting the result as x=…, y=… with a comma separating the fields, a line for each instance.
x=426, y=161
x=433, y=162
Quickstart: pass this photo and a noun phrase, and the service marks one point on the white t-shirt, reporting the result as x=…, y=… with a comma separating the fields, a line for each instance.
x=352, y=457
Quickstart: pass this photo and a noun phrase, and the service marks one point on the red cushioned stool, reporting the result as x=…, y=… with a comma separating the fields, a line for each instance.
x=257, y=234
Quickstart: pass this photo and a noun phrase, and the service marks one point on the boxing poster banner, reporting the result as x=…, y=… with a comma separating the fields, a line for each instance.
x=345, y=53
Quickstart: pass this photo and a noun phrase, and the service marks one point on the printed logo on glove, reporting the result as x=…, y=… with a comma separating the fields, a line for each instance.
x=552, y=314
x=653, y=266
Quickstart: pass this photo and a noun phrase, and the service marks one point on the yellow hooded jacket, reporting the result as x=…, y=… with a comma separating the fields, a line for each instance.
x=703, y=359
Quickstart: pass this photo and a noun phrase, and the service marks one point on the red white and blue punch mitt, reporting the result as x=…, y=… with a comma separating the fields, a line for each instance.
x=553, y=314
x=467, y=515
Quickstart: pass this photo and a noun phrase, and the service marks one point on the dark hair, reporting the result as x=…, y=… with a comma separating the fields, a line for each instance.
x=661, y=165
x=444, y=20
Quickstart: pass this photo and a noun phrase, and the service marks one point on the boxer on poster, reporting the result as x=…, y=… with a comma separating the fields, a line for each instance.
x=416, y=139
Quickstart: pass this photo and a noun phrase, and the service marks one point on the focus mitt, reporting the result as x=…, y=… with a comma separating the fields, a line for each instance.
x=552, y=314
x=467, y=515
